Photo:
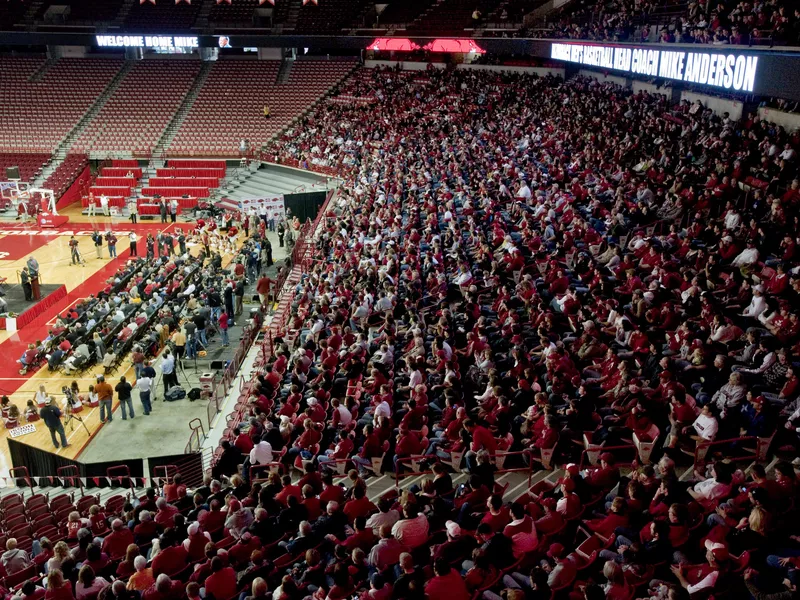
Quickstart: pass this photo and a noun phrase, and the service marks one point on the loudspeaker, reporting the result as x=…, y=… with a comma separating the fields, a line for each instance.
x=217, y=365
x=12, y=173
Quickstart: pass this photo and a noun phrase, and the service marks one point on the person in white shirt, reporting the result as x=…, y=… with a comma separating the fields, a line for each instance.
x=345, y=416
x=706, y=424
x=41, y=397
x=261, y=454
x=733, y=219
x=747, y=257
x=716, y=553
x=757, y=305
x=715, y=487
x=104, y=204
x=524, y=191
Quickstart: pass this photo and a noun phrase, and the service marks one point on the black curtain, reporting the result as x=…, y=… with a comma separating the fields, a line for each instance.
x=306, y=205
x=44, y=464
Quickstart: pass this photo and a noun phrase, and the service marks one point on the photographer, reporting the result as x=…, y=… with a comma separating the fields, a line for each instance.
x=51, y=415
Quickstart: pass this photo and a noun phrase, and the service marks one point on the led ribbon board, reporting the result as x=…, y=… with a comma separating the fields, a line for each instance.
x=146, y=41
x=726, y=71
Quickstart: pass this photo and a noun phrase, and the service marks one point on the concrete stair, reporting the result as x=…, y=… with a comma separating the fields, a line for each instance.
x=180, y=116
x=63, y=148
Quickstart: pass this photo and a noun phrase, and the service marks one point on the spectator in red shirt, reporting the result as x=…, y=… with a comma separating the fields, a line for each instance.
x=359, y=506
x=165, y=517
x=116, y=543
x=172, y=557
x=446, y=583
x=221, y=584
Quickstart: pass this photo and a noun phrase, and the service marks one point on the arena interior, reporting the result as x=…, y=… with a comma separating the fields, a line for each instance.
x=402, y=300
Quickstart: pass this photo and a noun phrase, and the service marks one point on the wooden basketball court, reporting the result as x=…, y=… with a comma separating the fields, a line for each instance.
x=51, y=250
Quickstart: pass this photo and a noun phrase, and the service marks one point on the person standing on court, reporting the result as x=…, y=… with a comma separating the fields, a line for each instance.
x=229, y=299
x=92, y=205
x=182, y=241
x=132, y=238
x=123, y=390
x=33, y=271
x=281, y=233
x=223, y=329
x=111, y=240
x=98, y=243
x=168, y=370
x=173, y=210
x=179, y=339
x=162, y=207
x=51, y=415
x=26, y=284
x=144, y=384
x=74, y=252
x=105, y=394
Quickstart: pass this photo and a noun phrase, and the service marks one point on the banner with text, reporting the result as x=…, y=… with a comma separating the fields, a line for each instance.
x=274, y=206
x=723, y=70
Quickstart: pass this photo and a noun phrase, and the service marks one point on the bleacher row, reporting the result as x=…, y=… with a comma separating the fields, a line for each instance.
x=229, y=107
x=150, y=349
x=183, y=180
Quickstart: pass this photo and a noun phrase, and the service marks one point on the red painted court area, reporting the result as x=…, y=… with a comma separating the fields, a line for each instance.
x=15, y=247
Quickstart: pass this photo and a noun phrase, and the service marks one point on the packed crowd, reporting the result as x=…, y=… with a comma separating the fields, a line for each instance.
x=511, y=264
x=725, y=22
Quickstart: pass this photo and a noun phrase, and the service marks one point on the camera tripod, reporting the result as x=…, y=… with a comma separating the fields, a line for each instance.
x=70, y=421
x=77, y=253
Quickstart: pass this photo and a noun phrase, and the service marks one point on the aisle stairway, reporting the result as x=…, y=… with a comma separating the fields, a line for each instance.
x=174, y=126
x=64, y=146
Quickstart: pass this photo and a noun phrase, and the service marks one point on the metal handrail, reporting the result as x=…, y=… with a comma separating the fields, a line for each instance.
x=24, y=474
x=72, y=477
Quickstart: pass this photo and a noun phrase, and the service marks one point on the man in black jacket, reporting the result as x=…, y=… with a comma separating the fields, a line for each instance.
x=51, y=415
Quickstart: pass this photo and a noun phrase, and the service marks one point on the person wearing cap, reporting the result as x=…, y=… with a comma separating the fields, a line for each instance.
x=551, y=520
x=457, y=546
x=569, y=505
x=704, y=577
x=756, y=420
x=604, y=477
x=758, y=304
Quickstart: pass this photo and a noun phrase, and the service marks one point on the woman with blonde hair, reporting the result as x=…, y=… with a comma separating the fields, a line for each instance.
x=60, y=554
x=616, y=587
x=57, y=588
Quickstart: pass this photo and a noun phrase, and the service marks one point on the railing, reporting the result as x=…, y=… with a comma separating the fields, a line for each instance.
x=167, y=469
x=759, y=453
x=498, y=459
x=121, y=479
x=71, y=475
x=196, y=437
x=304, y=246
x=273, y=467
x=23, y=474
x=590, y=456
